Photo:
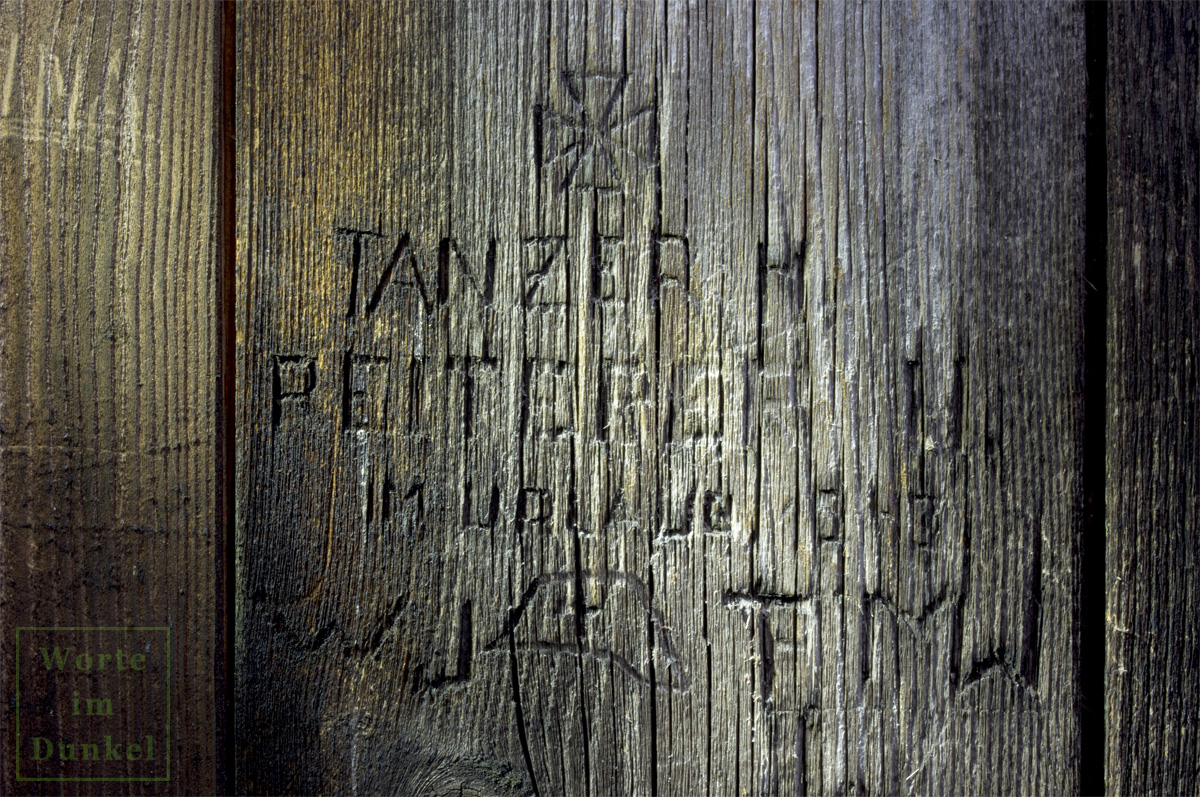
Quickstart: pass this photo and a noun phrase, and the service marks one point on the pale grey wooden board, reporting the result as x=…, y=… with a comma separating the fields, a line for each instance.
x=762, y=325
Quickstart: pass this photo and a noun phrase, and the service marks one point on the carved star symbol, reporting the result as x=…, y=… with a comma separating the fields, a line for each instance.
x=590, y=144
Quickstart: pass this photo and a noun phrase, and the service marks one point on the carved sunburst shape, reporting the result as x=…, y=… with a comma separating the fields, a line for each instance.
x=591, y=144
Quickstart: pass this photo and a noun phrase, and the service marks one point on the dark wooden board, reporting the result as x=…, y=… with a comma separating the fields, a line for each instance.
x=659, y=399
x=1153, y=457
x=108, y=377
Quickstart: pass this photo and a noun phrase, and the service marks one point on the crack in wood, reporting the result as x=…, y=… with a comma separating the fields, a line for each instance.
x=582, y=646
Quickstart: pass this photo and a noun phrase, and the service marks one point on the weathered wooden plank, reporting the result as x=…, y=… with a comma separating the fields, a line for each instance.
x=109, y=359
x=982, y=220
x=650, y=398
x=1153, y=412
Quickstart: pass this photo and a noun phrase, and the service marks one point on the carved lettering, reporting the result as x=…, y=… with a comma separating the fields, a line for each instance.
x=471, y=368
x=773, y=616
x=535, y=506
x=621, y=401
x=620, y=517
x=914, y=450
x=62, y=105
x=715, y=514
x=680, y=516
x=694, y=412
x=364, y=392
x=607, y=246
x=717, y=511
x=412, y=394
x=481, y=505
x=673, y=259
x=10, y=77
x=621, y=594
x=293, y=378
x=50, y=80
x=548, y=392
x=610, y=213
x=405, y=511
x=607, y=260
x=829, y=514
x=466, y=652
x=921, y=516
x=778, y=391
x=481, y=280
x=544, y=267
x=373, y=269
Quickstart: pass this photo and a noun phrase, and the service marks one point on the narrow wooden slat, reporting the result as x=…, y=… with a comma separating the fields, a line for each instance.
x=108, y=368
x=1153, y=413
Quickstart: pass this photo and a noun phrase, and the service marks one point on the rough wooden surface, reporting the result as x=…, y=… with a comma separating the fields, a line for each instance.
x=108, y=354
x=1153, y=694
x=659, y=398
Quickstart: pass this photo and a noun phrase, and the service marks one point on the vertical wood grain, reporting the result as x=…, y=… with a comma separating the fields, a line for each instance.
x=108, y=354
x=659, y=398
x=1153, y=457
